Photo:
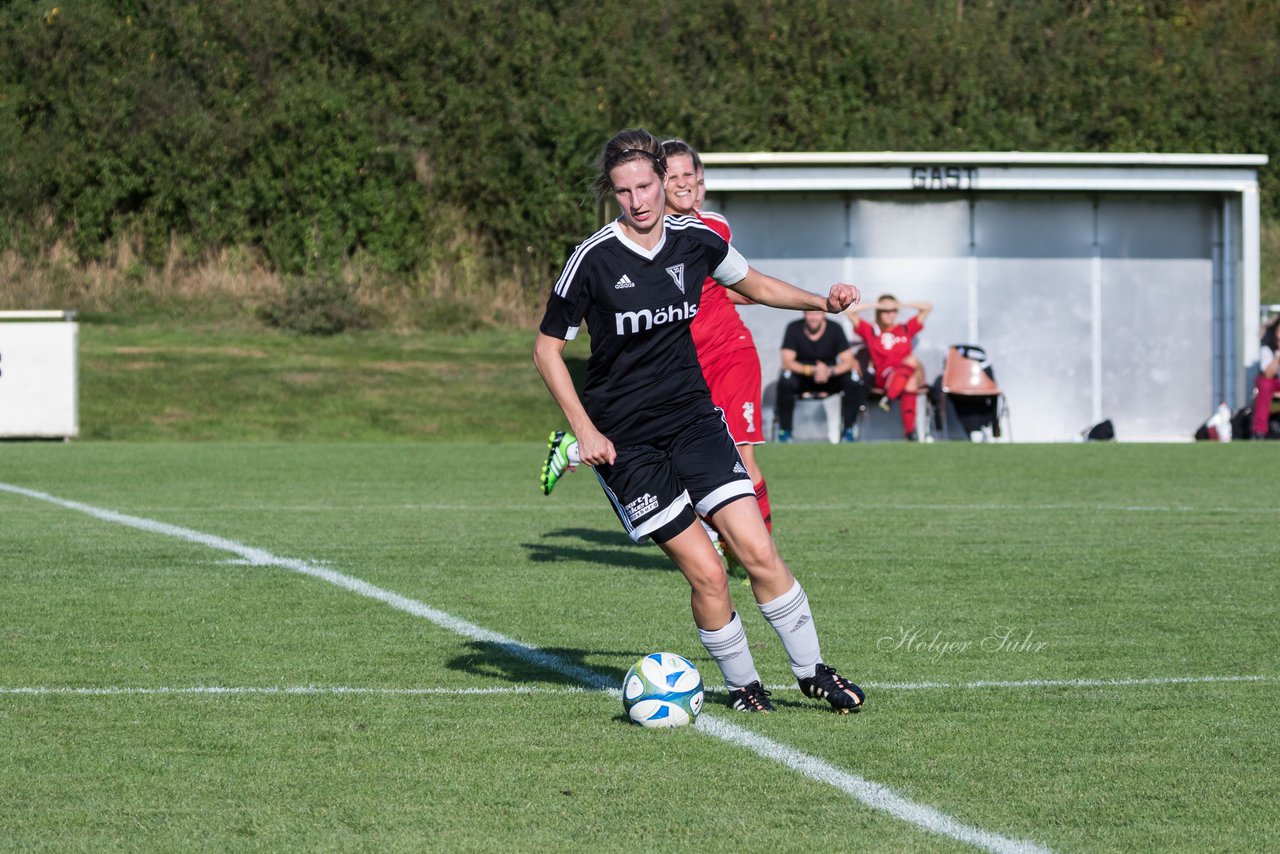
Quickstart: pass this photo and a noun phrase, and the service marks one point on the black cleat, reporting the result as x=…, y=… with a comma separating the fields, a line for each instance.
x=752, y=698
x=826, y=684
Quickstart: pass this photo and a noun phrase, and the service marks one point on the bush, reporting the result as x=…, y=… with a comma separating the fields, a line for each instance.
x=314, y=133
x=317, y=306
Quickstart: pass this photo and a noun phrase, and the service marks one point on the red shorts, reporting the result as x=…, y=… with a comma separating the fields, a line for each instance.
x=893, y=379
x=734, y=379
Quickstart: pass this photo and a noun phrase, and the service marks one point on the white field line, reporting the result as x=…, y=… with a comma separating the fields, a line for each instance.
x=312, y=690
x=866, y=791
x=287, y=690
x=574, y=507
x=1051, y=508
x=869, y=792
x=258, y=557
x=1065, y=683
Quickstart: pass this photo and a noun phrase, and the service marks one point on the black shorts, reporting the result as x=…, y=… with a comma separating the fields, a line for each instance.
x=657, y=486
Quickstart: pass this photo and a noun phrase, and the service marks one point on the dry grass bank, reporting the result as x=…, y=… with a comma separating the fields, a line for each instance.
x=464, y=290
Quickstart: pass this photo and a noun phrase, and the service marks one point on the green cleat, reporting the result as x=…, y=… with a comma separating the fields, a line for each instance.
x=557, y=459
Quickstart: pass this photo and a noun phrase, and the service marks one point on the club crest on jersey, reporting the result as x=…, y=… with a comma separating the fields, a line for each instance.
x=677, y=274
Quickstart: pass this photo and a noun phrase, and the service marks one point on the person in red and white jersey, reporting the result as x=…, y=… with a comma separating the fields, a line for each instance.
x=726, y=351
x=1267, y=384
x=898, y=371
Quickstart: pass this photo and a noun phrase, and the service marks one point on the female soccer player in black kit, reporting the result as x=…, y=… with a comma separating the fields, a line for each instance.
x=646, y=423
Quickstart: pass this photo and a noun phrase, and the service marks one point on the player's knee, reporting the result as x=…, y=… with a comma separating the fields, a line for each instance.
x=758, y=556
x=709, y=579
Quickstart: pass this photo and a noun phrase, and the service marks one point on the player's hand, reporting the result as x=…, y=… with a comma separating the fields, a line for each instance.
x=595, y=448
x=821, y=373
x=841, y=297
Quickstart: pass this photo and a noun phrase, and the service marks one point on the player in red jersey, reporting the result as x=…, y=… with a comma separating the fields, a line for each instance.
x=726, y=351
x=898, y=371
x=1267, y=384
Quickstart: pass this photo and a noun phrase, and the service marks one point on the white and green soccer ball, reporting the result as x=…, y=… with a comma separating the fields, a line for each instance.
x=662, y=690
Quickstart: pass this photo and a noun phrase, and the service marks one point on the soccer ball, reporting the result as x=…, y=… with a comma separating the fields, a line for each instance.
x=662, y=690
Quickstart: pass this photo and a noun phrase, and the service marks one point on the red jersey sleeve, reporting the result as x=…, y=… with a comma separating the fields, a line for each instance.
x=717, y=223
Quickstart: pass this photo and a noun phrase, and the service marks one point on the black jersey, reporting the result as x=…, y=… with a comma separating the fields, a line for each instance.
x=827, y=349
x=643, y=377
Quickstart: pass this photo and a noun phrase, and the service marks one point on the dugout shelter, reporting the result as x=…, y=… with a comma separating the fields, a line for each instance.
x=1102, y=286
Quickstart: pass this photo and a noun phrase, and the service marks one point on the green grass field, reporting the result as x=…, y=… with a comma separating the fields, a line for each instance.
x=393, y=647
x=203, y=381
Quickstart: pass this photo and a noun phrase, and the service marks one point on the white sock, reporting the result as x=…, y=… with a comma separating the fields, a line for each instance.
x=791, y=618
x=728, y=646
x=571, y=453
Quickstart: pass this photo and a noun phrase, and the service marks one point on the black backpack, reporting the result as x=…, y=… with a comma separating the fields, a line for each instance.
x=1103, y=431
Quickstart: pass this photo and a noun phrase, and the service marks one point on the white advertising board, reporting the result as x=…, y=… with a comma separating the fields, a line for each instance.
x=38, y=393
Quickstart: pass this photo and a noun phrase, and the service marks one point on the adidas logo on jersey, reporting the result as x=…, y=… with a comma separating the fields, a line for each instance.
x=644, y=319
x=739, y=468
x=624, y=282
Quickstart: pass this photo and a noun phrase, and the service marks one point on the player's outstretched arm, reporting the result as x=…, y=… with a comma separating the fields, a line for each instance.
x=767, y=290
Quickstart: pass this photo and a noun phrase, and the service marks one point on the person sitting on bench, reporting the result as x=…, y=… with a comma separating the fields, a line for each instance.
x=817, y=361
x=1267, y=384
x=898, y=372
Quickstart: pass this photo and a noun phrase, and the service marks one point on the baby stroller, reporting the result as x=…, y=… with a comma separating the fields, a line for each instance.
x=969, y=383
